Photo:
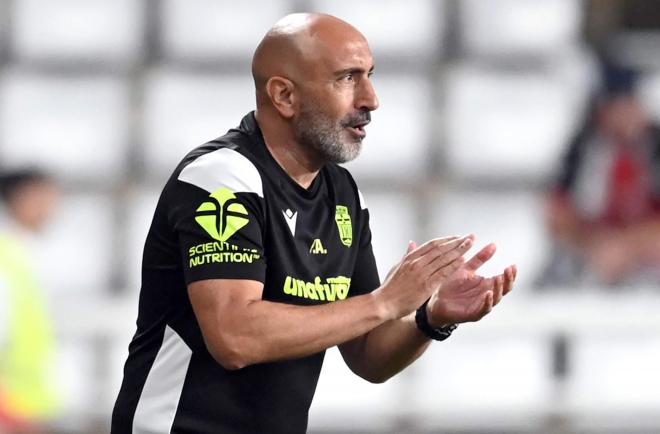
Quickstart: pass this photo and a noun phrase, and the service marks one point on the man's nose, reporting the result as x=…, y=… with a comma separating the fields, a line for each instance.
x=367, y=98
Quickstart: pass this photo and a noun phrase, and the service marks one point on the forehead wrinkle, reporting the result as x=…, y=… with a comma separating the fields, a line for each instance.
x=329, y=56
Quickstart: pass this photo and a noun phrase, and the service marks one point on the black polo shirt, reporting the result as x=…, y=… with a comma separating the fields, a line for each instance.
x=230, y=211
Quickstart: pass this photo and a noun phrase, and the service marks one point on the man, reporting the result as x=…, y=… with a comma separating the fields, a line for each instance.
x=271, y=239
x=28, y=398
x=604, y=209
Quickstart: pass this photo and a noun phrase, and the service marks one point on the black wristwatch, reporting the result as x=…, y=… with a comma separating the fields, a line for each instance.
x=438, y=334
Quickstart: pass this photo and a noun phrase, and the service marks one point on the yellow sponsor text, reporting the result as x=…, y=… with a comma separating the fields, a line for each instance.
x=220, y=252
x=334, y=288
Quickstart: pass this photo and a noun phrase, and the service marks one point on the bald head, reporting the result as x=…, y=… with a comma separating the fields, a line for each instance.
x=296, y=43
x=312, y=74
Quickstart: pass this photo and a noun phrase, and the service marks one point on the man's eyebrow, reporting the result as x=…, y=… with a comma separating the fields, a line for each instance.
x=353, y=70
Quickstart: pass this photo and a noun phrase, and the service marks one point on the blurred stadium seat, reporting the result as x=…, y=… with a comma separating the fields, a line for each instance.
x=73, y=126
x=141, y=204
x=77, y=30
x=184, y=110
x=515, y=28
x=216, y=29
x=75, y=372
x=411, y=33
x=615, y=372
x=507, y=125
x=481, y=373
x=77, y=254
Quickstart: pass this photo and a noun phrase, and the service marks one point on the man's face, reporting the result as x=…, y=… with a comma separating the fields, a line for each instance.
x=336, y=102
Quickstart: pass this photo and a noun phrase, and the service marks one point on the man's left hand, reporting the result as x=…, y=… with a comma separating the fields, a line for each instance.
x=466, y=296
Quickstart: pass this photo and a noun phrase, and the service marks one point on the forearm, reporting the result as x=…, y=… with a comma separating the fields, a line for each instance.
x=386, y=350
x=240, y=329
x=264, y=331
x=639, y=241
x=643, y=239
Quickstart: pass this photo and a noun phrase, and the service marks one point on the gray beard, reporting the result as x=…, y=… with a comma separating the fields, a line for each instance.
x=315, y=130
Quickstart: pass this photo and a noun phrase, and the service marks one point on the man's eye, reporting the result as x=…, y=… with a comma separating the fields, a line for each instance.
x=348, y=77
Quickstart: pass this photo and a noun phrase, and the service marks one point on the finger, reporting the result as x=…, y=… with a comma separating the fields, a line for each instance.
x=481, y=257
x=471, y=286
x=509, y=277
x=443, y=255
x=487, y=304
x=515, y=272
x=498, y=289
x=411, y=246
x=446, y=243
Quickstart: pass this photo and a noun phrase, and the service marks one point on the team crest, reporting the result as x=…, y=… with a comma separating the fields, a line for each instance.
x=221, y=215
x=343, y=219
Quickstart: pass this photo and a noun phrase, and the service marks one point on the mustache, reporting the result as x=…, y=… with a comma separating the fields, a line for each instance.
x=359, y=118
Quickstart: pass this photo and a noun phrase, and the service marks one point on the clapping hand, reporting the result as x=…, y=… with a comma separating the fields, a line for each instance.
x=467, y=296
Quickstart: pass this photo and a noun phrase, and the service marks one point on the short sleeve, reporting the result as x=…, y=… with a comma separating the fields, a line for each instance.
x=217, y=211
x=365, y=275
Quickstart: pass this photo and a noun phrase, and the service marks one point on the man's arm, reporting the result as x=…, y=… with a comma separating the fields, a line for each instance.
x=391, y=347
x=385, y=351
x=241, y=329
x=612, y=252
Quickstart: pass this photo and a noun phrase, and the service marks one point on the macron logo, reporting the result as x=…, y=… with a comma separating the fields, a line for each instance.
x=291, y=217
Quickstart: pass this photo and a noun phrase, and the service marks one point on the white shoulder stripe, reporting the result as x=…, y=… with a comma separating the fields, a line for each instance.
x=161, y=393
x=363, y=204
x=223, y=168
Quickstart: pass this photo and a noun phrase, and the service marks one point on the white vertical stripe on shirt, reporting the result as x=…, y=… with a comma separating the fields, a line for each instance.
x=363, y=204
x=160, y=396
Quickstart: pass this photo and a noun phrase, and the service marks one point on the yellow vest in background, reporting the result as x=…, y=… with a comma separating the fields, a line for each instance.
x=26, y=361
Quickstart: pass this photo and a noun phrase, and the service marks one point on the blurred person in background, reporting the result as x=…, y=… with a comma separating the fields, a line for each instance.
x=604, y=211
x=28, y=400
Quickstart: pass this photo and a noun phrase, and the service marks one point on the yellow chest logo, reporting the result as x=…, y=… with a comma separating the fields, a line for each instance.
x=343, y=219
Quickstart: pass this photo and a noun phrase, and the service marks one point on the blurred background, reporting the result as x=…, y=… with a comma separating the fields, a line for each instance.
x=486, y=107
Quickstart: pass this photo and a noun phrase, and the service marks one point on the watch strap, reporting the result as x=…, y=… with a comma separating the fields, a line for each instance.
x=422, y=321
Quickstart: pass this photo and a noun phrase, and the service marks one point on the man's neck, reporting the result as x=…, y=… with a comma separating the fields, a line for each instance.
x=289, y=154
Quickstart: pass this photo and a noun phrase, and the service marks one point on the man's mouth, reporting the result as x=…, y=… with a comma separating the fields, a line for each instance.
x=358, y=129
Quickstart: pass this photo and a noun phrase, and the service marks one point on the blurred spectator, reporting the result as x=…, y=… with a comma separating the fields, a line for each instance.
x=27, y=397
x=604, y=212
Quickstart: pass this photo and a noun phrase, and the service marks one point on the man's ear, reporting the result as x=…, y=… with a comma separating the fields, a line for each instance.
x=280, y=91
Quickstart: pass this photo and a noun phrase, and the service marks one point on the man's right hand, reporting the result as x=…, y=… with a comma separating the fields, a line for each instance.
x=420, y=273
